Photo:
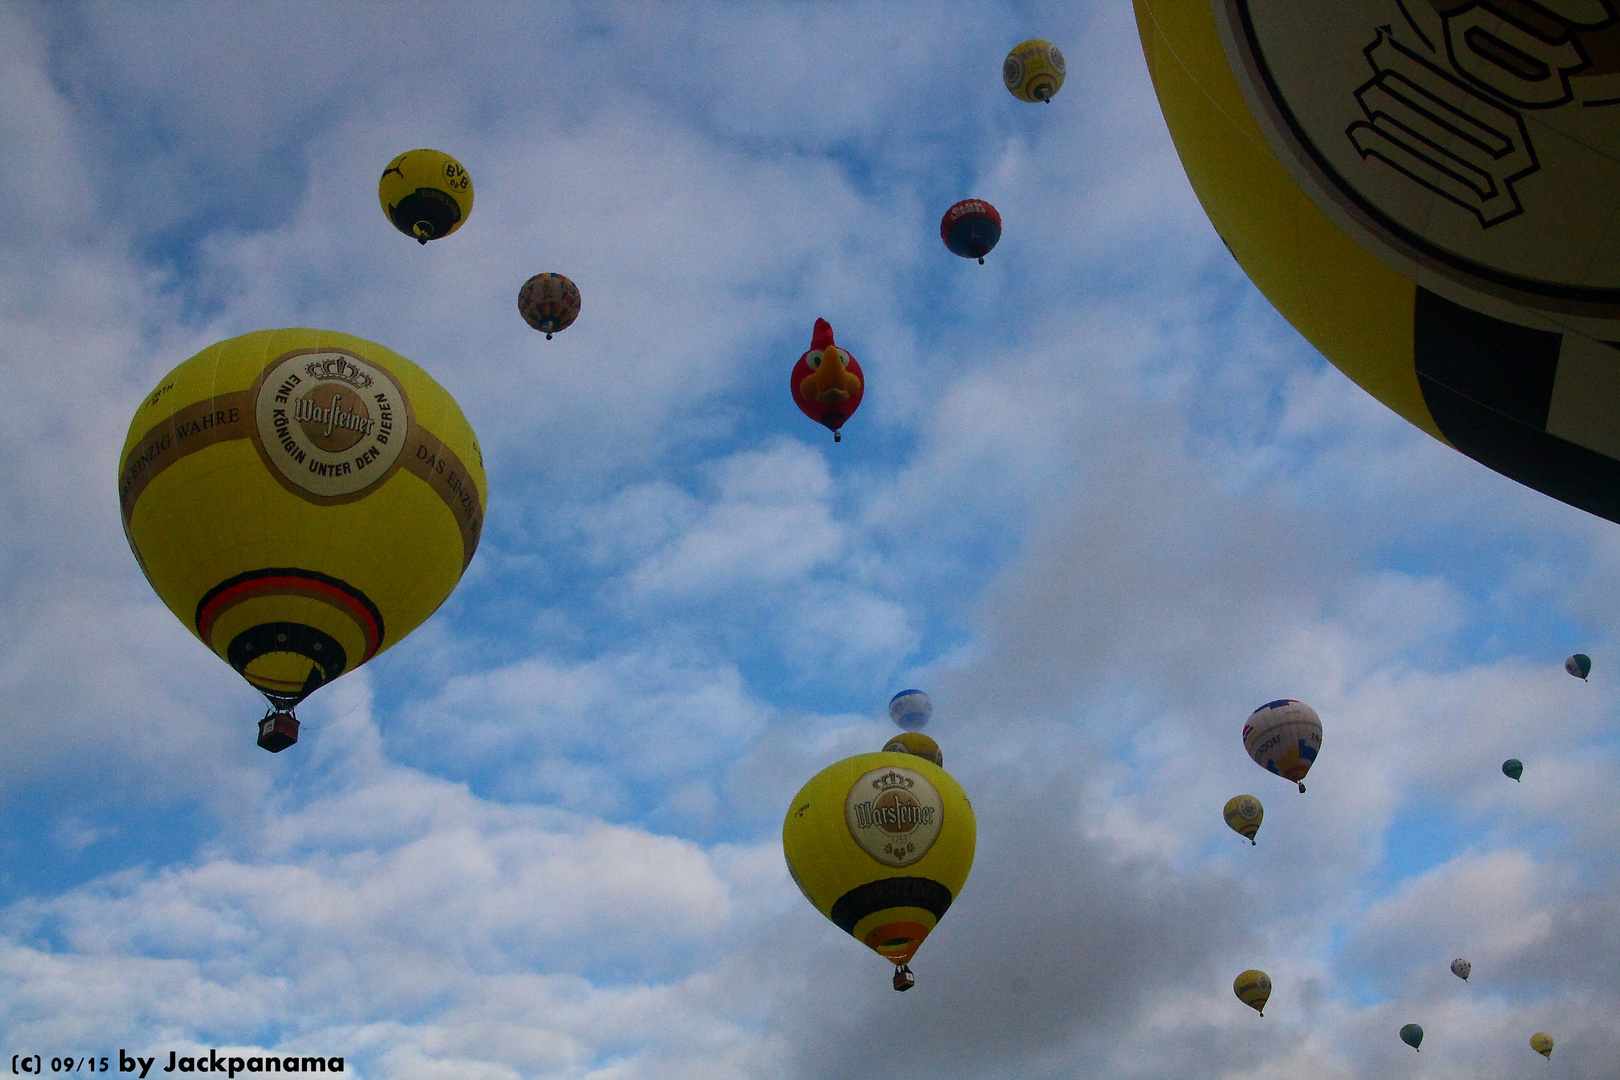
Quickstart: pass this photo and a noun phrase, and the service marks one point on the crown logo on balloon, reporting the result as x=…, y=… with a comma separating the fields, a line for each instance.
x=338, y=368
x=892, y=781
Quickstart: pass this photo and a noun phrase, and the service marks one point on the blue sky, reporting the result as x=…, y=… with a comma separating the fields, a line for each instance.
x=1100, y=501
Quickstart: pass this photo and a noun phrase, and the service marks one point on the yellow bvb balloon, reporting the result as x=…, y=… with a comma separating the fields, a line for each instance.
x=1426, y=191
x=1542, y=1043
x=1243, y=815
x=1253, y=988
x=426, y=194
x=301, y=500
x=1033, y=71
x=881, y=844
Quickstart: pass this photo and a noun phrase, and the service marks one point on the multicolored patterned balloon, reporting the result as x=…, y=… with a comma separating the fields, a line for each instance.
x=1283, y=737
x=549, y=303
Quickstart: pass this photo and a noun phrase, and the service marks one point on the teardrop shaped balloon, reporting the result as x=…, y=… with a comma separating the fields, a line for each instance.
x=1461, y=968
x=827, y=382
x=1253, y=988
x=300, y=500
x=1412, y=1035
x=1579, y=665
x=915, y=742
x=426, y=194
x=1283, y=737
x=1513, y=767
x=970, y=229
x=881, y=844
x=1542, y=1043
x=549, y=303
x=1243, y=815
x=911, y=710
x=1033, y=70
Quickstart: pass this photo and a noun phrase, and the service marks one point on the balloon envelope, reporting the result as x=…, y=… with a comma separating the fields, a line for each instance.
x=426, y=194
x=549, y=303
x=911, y=710
x=915, y=742
x=300, y=500
x=1283, y=737
x=1412, y=1036
x=1542, y=1043
x=970, y=228
x=1480, y=309
x=827, y=382
x=1033, y=70
x=1253, y=988
x=1461, y=968
x=1243, y=815
x=1513, y=767
x=881, y=844
x=1579, y=665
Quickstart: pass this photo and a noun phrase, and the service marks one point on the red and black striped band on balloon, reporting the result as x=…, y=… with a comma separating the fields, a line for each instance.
x=291, y=581
x=875, y=896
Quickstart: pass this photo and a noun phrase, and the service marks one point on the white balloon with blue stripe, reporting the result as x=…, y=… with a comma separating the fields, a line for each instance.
x=910, y=710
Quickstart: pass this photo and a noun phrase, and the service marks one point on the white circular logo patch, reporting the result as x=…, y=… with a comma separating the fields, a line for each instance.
x=894, y=814
x=331, y=422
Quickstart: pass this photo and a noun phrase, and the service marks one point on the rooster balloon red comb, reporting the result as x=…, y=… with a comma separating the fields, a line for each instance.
x=827, y=382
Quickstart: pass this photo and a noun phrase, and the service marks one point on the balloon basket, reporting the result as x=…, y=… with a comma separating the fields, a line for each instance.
x=903, y=978
x=277, y=731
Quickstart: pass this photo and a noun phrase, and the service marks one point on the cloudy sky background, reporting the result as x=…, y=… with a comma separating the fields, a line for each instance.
x=1101, y=501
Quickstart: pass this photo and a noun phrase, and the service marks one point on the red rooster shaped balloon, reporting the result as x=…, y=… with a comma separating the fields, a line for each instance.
x=827, y=382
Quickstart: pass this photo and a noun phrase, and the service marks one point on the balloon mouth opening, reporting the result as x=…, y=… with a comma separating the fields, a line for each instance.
x=423, y=231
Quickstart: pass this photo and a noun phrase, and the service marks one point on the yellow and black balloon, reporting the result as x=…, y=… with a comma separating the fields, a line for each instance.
x=301, y=500
x=1033, y=70
x=1426, y=190
x=881, y=844
x=426, y=194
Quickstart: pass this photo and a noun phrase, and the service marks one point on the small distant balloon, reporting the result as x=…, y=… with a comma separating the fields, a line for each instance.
x=1283, y=737
x=426, y=194
x=1513, y=767
x=1542, y=1043
x=1412, y=1036
x=916, y=743
x=1243, y=815
x=827, y=382
x=1579, y=665
x=549, y=303
x=911, y=710
x=1461, y=968
x=1033, y=71
x=1253, y=988
x=970, y=229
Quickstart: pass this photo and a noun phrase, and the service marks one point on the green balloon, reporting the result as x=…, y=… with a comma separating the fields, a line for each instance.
x=1579, y=665
x=1513, y=767
x=1412, y=1036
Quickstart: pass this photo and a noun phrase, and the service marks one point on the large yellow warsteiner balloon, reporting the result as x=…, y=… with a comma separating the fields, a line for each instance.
x=1426, y=189
x=881, y=844
x=301, y=500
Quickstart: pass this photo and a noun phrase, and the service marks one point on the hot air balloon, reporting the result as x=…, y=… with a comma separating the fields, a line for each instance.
x=1425, y=190
x=911, y=710
x=1412, y=1035
x=1542, y=1043
x=1461, y=968
x=426, y=194
x=1513, y=767
x=1579, y=665
x=1243, y=815
x=827, y=382
x=970, y=229
x=1283, y=737
x=300, y=500
x=549, y=303
x=915, y=742
x=881, y=844
x=1253, y=988
x=1033, y=71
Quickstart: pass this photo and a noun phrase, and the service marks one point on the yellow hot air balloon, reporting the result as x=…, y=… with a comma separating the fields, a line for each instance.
x=1253, y=988
x=426, y=194
x=1243, y=815
x=1033, y=71
x=915, y=742
x=301, y=500
x=881, y=844
x=1542, y=1043
x=1426, y=191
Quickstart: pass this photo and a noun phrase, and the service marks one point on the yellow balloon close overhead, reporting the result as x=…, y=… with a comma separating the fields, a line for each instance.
x=881, y=844
x=1426, y=191
x=301, y=500
x=1033, y=70
x=426, y=194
